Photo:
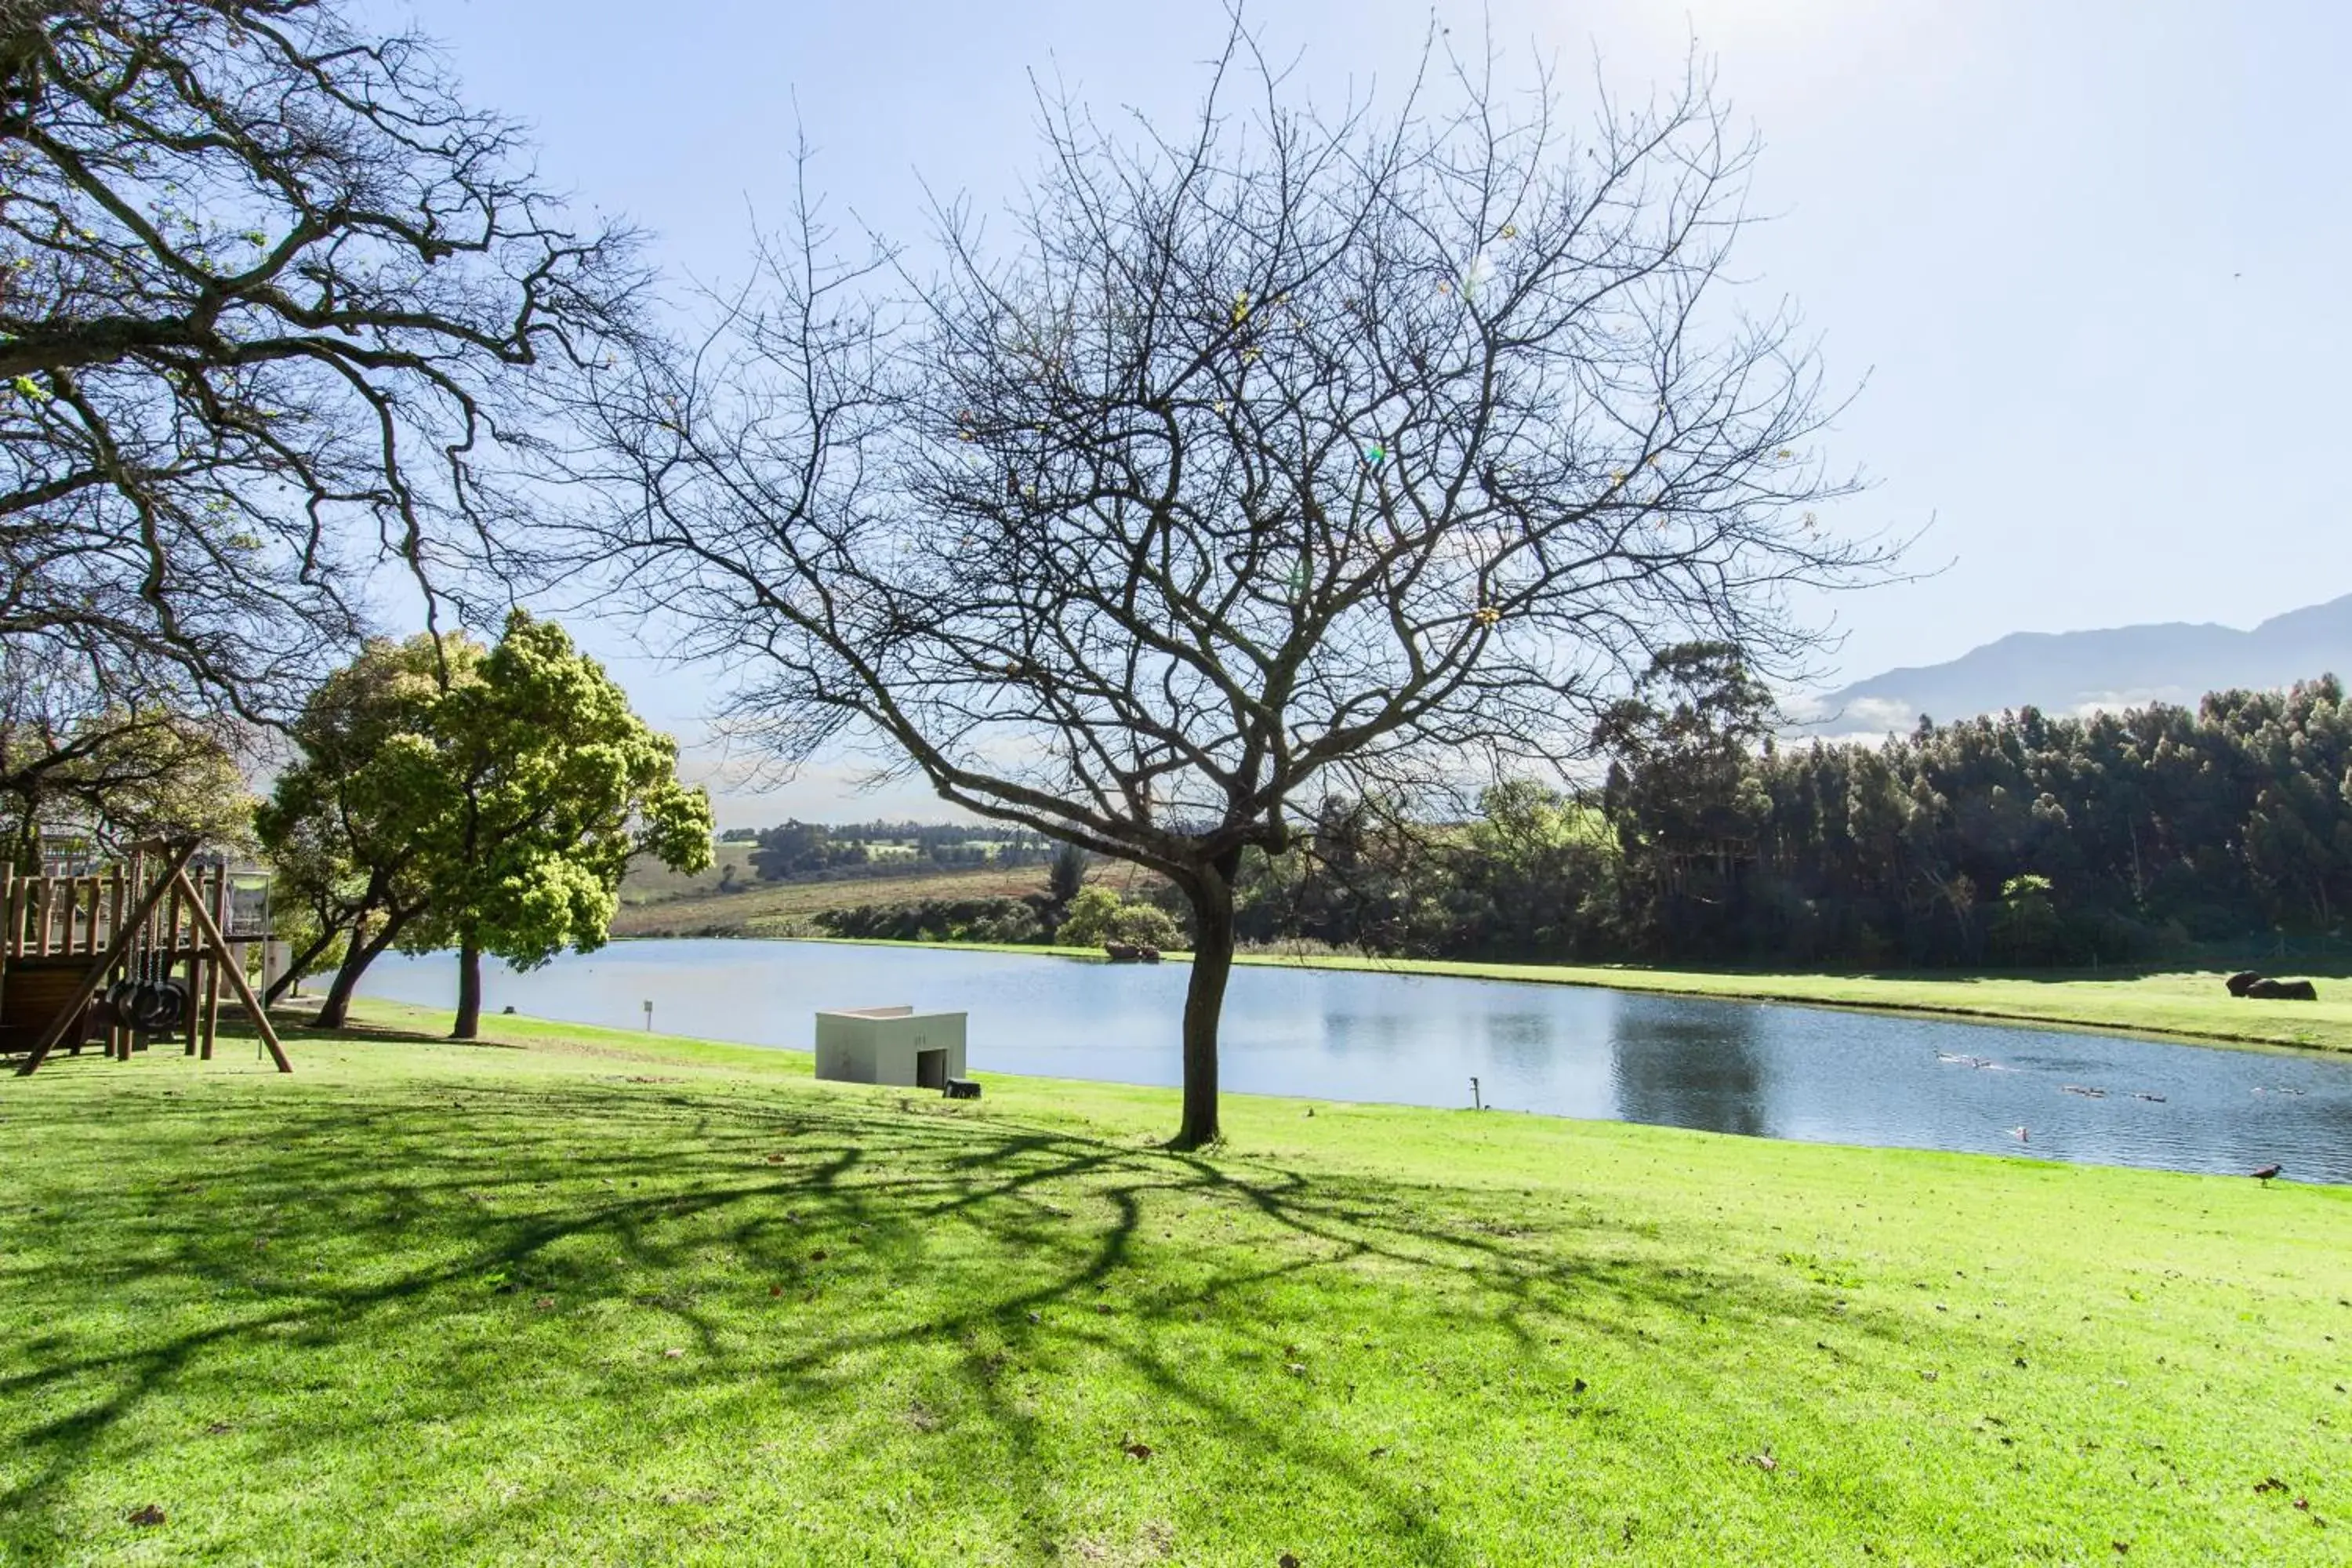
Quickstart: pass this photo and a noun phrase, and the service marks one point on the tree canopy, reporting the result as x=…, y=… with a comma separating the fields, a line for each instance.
x=107, y=771
x=274, y=305
x=489, y=799
x=544, y=784
x=1277, y=454
x=345, y=824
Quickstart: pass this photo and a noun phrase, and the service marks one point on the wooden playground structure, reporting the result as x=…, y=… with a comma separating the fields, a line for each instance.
x=133, y=952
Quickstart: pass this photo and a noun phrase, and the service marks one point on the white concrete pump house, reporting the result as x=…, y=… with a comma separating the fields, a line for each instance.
x=894, y=1046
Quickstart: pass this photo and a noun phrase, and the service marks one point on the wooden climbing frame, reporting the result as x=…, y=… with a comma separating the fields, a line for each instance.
x=67, y=941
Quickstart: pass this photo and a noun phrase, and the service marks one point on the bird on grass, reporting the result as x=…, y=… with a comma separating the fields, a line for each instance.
x=2265, y=1173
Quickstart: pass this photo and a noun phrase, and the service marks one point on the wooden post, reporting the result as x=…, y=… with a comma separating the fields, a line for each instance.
x=253, y=1007
x=41, y=917
x=97, y=973
x=116, y=908
x=212, y=972
x=193, y=1008
x=8, y=937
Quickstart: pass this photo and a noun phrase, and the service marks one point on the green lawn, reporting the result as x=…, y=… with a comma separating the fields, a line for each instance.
x=2186, y=1002
x=586, y=1296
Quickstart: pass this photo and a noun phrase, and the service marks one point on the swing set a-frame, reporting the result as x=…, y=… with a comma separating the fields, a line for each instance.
x=101, y=958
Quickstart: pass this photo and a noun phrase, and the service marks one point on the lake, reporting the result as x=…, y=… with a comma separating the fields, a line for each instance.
x=1814, y=1074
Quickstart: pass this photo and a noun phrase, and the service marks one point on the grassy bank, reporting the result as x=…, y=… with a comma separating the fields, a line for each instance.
x=2189, y=1003
x=584, y=1296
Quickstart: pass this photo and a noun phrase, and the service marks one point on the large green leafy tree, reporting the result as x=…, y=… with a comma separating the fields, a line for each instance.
x=545, y=784
x=487, y=799
x=346, y=826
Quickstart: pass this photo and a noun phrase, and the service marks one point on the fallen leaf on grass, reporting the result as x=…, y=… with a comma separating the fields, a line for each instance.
x=147, y=1517
x=1764, y=1461
x=2270, y=1484
x=1927, y=1377
x=2121, y=1546
x=1138, y=1450
x=672, y=1355
x=545, y=1303
x=775, y=1290
x=1380, y=1452
x=778, y=1158
x=1296, y=1369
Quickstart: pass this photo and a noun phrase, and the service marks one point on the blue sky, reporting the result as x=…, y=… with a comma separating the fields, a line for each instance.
x=2086, y=261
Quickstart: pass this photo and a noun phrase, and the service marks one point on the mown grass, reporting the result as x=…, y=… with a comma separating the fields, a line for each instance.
x=582, y=1296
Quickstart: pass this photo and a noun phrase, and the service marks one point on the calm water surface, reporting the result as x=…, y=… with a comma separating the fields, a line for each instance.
x=1814, y=1074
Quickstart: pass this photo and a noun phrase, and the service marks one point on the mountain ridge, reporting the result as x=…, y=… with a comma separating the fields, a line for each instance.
x=2070, y=673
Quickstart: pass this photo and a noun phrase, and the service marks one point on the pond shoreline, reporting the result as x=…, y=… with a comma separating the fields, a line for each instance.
x=2149, y=1005
x=1366, y=1033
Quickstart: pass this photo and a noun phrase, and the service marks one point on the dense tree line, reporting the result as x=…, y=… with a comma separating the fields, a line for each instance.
x=2017, y=841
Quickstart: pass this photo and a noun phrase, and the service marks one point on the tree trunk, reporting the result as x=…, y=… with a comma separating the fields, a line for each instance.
x=336, y=1011
x=469, y=989
x=296, y=968
x=1212, y=896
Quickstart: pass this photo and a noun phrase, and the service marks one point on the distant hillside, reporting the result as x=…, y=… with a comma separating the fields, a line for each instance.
x=2074, y=672
x=789, y=908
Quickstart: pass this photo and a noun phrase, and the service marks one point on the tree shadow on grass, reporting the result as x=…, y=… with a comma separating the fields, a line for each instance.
x=785, y=1241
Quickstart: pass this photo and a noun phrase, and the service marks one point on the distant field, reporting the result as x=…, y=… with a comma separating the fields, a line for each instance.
x=784, y=909
x=650, y=881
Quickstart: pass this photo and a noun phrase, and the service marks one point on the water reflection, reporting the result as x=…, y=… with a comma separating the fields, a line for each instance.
x=1777, y=1071
x=1685, y=1068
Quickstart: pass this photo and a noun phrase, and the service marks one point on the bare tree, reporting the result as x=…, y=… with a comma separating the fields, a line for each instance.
x=268, y=297
x=1292, y=453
